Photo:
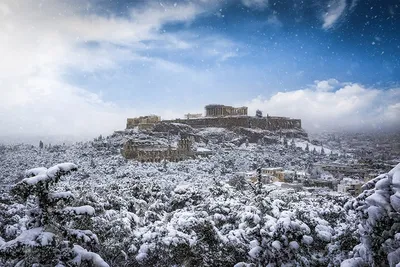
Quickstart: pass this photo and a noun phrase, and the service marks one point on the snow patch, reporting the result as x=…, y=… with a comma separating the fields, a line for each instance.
x=84, y=255
x=294, y=245
x=83, y=210
x=255, y=252
x=355, y=262
x=35, y=171
x=308, y=240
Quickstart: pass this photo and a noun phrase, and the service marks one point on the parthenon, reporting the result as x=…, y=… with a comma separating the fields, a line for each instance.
x=222, y=110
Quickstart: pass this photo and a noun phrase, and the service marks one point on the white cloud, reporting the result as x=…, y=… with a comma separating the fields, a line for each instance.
x=256, y=4
x=352, y=106
x=326, y=85
x=335, y=10
x=41, y=42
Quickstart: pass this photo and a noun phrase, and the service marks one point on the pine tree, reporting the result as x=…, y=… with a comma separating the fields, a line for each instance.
x=40, y=144
x=285, y=142
x=379, y=209
x=49, y=238
x=92, y=163
x=307, y=148
x=292, y=144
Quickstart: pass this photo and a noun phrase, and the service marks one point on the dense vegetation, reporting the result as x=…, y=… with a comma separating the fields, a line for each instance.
x=105, y=211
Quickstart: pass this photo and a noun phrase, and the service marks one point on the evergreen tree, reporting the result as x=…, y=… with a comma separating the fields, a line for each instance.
x=307, y=149
x=40, y=144
x=292, y=144
x=285, y=141
x=49, y=238
x=92, y=163
x=379, y=209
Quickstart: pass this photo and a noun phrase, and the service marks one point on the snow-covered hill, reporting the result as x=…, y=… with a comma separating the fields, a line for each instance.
x=176, y=213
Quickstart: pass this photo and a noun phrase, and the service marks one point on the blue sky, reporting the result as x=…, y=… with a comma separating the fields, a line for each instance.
x=282, y=45
x=332, y=63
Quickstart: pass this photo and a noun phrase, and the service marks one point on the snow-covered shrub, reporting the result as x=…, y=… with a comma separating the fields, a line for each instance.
x=378, y=208
x=184, y=195
x=49, y=237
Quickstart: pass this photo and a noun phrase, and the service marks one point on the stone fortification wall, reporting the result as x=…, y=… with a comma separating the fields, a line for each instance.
x=220, y=116
x=255, y=122
x=223, y=122
x=150, y=153
x=143, y=121
x=276, y=123
x=265, y=123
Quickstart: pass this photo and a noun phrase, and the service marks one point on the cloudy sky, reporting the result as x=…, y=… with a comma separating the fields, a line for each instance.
x=78, y=68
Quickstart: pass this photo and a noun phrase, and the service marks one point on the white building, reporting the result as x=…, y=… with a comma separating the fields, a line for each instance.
x=351, y=186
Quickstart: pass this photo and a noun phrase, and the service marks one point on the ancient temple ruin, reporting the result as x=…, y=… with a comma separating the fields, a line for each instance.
x=222, y=116
x=143, y=122
x=145, y=152
x=222, y=110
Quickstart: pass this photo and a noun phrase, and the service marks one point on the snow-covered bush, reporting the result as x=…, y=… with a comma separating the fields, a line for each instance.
x=49, y=237
x=378, y=208
x=173, y=214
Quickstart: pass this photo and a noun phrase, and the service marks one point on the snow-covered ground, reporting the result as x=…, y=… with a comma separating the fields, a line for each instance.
x=188, y=213
x=303, y=144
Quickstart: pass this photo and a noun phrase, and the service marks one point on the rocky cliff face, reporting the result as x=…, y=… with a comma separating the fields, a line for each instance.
x=239, y=134
x=257, y=135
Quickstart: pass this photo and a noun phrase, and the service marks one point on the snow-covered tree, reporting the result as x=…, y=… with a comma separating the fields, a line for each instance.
x=50, y=237
x=292, y=144
x=285, y=142
x=379, y=209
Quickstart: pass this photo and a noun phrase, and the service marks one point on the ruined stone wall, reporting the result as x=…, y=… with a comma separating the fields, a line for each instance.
x=296, y=123
x=150, y=154
x=222, y=110
x=147, y=120
x=258, y=123
x=224, y=122
x=265, y=123
x=276, y=123
x=193, y=116
x=229, y=122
